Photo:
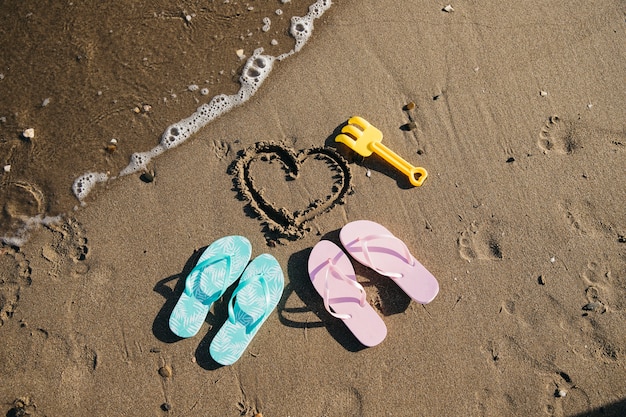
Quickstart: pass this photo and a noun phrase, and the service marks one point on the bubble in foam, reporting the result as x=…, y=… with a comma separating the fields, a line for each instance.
x=255, y=71
x=139, y=160
x=267, y=23
x=302, y=27
x=83, y=184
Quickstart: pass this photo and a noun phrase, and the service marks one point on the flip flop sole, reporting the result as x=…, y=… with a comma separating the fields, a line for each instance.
x=259, y=291
x=388, y=253
x=205, y=285
x=344, y=298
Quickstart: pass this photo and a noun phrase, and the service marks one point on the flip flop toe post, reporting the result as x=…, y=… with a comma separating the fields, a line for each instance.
x=334, y=279
x=218, y=267
x=372, y=245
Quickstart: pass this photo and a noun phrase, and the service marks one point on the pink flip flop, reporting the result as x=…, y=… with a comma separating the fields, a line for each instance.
x=333, y=277
x=374, y=246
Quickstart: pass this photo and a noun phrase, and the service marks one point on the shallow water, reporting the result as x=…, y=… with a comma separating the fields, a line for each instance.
x=99, y=81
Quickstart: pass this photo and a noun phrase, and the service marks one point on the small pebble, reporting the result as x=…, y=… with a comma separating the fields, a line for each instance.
x=368, y=173
x=511, y=159
x=411, y=126
x=193, y=87
x=136, y=110
x=166, y=407
x=448, y=8
x=410, y=106
x=7, y=168
x=543, y=93
x=541, y=280
x=146, y=108
x=240, y=53
x=45, y=102
x=274, y=42
x=147, y=177
x=553, y=259
x=562, y=393
x=29, y=133
x=165, y=371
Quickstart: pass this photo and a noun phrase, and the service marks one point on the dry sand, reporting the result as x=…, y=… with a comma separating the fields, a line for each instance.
x=521, y=220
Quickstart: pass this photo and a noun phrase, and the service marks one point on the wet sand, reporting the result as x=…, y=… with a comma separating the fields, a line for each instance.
x=98, y=82
x=518, y=120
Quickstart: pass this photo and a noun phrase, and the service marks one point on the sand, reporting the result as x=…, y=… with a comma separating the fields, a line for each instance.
x=521, y=219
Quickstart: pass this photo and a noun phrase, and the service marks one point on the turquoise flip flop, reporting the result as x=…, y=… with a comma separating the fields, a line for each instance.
x=256, y=296
x=218, y=267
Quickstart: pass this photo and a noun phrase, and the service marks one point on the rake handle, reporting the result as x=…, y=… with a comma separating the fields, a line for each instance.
x=416, y=175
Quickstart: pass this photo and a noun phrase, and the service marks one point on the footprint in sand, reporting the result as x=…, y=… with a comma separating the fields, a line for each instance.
x=605, y=280
x=346, y=401
x=481, y=241
x=68, y=249
x=604, y=287
x=14, y=275
x=220, y=149
x=558, y=136
x=578, y=215
x=566, y=398
x=593, y=219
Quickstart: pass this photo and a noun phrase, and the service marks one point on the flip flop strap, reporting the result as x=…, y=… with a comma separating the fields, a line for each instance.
x=366, y=252
x=266, y=293
x=340, y=274
x=192, y=286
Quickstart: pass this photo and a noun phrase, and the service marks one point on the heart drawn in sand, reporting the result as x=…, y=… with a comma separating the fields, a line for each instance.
x=279, y=221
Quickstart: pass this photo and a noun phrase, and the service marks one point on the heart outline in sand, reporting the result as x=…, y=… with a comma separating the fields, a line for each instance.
x=280, y=222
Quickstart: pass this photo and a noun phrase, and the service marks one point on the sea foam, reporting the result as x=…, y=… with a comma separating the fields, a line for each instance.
x=254, y=72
